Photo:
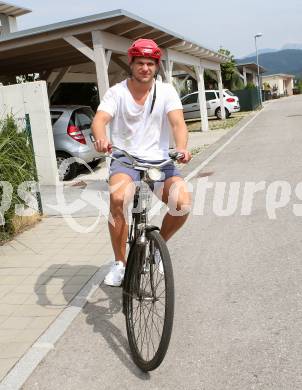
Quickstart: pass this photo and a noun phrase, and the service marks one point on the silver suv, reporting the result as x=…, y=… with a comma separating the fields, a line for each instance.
x=72, y=137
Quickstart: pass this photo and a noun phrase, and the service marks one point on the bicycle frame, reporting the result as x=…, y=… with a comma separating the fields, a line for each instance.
x=139, y=222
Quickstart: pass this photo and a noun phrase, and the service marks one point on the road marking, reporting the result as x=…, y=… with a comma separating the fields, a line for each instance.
x=18, y=375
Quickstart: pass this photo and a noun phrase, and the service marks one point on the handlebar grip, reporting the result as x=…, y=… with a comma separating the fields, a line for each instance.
x=175, y=155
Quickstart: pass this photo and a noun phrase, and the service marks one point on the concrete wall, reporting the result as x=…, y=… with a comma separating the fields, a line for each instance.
x=32, y=99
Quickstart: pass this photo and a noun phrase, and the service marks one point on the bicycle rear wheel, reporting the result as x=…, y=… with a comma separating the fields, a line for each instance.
x=149, y=301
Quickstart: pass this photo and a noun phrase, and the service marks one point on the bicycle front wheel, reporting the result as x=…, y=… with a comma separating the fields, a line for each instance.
x=149, y=302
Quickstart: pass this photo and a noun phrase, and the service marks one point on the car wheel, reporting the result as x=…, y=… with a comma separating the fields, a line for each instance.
x=218, y=113
x=71, y=171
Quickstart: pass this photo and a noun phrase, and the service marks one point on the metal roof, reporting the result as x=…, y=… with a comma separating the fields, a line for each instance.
x=12, y=9
x=44, y=48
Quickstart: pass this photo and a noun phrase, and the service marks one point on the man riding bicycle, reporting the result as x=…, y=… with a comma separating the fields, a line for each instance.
x=141, y=112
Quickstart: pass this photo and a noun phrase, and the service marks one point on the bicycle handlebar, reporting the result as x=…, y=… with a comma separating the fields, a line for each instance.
x=136, y=164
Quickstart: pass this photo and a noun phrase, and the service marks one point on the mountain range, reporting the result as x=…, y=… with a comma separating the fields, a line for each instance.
x=287, y=46
x=283, y=61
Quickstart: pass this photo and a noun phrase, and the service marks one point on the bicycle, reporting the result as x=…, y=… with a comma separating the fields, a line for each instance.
x=148, y=287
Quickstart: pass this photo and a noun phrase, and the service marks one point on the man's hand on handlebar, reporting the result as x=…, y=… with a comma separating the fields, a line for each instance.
x=186, y=155
x=103, y=145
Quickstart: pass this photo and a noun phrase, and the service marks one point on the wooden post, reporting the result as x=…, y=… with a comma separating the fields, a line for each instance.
x=168, y=68
x=55, y=84
x=100, y=63
x=220, y=86
x=199, y=70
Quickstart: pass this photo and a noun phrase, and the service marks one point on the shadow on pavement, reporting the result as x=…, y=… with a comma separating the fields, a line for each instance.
x=100, y=311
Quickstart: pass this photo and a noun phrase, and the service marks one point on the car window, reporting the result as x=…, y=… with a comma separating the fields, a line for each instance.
x=229, y=93
x=191, y=99
x=210, y=96
x=84, y=117
x=55, y=115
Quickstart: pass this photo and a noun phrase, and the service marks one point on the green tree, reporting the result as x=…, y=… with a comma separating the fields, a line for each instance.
x=25, y=78
x=230, y=74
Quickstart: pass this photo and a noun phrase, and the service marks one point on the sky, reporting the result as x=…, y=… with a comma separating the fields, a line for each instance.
x=230, y=24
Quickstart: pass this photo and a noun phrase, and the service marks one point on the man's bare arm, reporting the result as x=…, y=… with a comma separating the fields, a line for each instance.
x=102, y=143
x=180, y=133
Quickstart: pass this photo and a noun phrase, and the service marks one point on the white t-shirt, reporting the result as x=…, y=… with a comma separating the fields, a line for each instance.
x=133, y=128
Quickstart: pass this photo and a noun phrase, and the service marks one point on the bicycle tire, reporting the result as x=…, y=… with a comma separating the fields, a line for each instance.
x=135, y=276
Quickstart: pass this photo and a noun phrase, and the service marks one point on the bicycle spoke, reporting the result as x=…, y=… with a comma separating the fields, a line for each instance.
x=161, y=279
x=146, y=326
x=152, y=337
x=151, y=333
x=162, y=293
x=137, y=316
x=156, y=328
x=140, y=325
x=158, y=316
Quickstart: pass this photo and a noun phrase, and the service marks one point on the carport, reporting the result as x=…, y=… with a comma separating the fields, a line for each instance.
x=94, y=48
x=249, y=71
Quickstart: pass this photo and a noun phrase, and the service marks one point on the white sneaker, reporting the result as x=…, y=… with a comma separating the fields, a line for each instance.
x=158, y=261
x=116, y=274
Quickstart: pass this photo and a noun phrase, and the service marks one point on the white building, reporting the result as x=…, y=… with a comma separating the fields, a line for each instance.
x=280, y=84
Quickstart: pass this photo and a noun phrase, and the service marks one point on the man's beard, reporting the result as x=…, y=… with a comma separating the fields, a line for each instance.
x=150, y=78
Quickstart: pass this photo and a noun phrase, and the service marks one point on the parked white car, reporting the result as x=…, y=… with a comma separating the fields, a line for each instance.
x=191, y=107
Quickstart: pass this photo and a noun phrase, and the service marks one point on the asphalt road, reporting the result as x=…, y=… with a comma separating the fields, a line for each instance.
x=238, y=279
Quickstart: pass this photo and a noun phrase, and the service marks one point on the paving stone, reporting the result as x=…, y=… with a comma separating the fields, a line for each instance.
x=36, y=311
x=12, y=280
x=14, y=298
x=13, y=350
x=40, y=323
x=28, y=335
x=6, y=310
x=16, y=323
x=6, y=365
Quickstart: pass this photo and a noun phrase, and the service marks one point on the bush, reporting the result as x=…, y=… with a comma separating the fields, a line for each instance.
x=16, y=166
x=250, y=85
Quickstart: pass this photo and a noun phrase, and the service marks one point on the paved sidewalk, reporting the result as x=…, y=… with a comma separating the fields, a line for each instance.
x=44, y=268
x=202, y=139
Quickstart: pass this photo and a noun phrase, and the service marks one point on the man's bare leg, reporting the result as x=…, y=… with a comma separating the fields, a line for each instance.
x=176, y=195
x=121, y=188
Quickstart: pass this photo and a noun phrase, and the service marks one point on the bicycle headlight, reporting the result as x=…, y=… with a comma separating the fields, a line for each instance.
x=155, y=174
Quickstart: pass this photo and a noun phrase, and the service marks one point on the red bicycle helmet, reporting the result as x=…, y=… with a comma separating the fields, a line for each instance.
x=144, y=48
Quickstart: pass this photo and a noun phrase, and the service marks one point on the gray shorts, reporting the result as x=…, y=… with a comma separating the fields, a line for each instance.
x=168, y=170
